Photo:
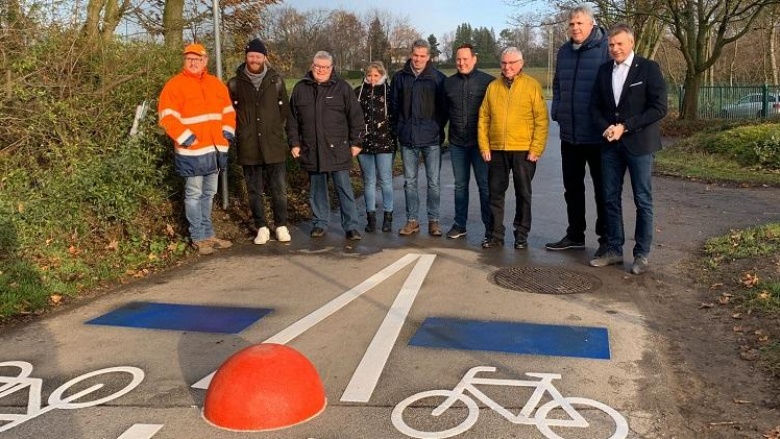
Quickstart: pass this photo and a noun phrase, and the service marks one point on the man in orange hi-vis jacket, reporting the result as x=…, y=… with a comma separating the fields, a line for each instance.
x=196, y=112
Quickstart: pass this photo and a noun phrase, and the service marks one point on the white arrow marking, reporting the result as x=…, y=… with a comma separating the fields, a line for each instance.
x=304, y=324
x=367, y=374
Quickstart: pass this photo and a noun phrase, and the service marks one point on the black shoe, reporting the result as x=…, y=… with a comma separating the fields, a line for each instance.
x=521, y=244
x=370, y=222
x=317, y=232
x=387, y=222
x=354, y=235
x=565, y=244
x=492, y=243
x=456, y=232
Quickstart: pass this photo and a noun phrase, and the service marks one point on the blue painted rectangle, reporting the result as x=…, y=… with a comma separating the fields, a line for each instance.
x=513, y=337
x=196, y=318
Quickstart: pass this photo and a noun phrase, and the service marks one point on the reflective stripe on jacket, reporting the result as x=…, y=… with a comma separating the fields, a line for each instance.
x=200, y=106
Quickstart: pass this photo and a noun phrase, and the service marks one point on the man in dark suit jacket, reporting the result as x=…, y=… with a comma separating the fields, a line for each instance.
x=628, y=102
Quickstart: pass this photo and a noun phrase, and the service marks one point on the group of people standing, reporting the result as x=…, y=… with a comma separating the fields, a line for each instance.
x=608, y=112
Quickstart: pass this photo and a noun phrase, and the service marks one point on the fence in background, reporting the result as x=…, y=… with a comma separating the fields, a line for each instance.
x=732, y=102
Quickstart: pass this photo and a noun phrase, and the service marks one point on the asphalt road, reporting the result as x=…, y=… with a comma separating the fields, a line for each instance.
x=341, y=298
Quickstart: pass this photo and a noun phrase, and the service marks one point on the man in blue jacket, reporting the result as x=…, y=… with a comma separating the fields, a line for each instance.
x=464, y=92
x=418, y=113
x=575, y=73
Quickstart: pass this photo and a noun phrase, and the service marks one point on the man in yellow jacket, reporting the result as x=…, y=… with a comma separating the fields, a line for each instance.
x=196, y=112
x=512, y=133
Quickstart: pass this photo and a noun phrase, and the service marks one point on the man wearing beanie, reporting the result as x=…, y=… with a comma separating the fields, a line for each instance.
x=260, y=99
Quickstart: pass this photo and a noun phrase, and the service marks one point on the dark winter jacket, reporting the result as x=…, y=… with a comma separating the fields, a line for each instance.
x=464, y=94
x=417, y=106
x=378, y=137
x=326, y=120
x=261, y=116
x=575, y=74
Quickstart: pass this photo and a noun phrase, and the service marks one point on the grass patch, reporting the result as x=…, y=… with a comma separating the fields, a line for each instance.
x=744, y=154
x=743, y=268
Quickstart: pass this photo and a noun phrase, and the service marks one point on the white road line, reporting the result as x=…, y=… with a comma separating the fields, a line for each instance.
x=367, y=374
x=304, y=324
x=141, y=431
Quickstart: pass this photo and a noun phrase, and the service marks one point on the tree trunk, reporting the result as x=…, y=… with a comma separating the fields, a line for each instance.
x=173, y=23
x=690, y=104
x=111, y=16
x=772, y=48
x=92, y=24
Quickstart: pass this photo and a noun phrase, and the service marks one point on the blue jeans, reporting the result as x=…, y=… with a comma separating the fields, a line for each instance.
x=320, y=200
x=463, y=160
x=198, y=199
x=432, y=157
x=381, y=165
x=615, y=160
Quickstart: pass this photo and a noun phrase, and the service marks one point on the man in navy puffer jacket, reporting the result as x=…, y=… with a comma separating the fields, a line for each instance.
x=577, y=63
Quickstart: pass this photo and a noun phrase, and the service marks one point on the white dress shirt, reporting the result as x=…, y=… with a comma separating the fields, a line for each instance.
x=619, y=75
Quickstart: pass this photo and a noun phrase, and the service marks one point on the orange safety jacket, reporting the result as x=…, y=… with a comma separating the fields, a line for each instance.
x=200, y=106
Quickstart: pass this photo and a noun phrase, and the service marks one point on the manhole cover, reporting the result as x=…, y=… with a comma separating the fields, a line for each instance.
x=544, y=280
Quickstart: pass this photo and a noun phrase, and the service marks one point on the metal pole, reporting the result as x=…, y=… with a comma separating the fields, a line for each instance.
x=218, y=53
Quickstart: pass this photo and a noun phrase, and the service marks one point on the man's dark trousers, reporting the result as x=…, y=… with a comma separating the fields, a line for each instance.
x=574, y=158
x=500, y=165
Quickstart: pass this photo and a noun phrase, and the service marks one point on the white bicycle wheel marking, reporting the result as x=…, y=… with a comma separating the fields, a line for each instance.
x=467, y=392
x=12, y=384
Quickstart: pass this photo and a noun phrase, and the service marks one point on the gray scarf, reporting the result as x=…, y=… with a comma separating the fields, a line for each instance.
x=256, y=78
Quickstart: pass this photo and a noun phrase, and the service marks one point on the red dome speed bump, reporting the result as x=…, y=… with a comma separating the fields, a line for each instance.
x=264, y=387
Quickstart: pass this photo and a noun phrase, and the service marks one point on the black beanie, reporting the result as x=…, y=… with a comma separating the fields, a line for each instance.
x=256, y=46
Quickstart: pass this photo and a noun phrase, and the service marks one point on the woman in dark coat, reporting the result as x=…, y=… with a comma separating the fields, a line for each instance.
x=376, y=157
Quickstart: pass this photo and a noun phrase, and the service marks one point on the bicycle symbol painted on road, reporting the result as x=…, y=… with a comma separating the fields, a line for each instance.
x=540, y=419
x=57, y=400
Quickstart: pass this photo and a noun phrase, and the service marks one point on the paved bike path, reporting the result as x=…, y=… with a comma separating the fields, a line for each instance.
x=298, y=279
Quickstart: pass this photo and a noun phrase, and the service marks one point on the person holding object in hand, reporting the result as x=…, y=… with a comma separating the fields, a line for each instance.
x=628, y=103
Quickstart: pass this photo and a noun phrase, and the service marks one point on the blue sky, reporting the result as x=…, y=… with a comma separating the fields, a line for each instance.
x=428, y=16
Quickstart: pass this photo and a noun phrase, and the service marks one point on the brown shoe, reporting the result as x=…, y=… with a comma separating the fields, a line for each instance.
x=220, y=243
x=433, y=228
x=411, y=227
x=204, y=247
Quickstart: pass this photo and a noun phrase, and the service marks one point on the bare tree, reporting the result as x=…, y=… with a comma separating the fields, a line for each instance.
x=103, y=16
x=347, y=37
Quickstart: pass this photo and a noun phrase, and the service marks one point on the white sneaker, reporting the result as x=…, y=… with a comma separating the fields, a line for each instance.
x=282, y=234
x=263, y=235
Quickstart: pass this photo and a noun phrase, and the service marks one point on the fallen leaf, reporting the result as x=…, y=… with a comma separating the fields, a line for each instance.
x=737, y=328
x=716, y=285
x=706, y=305
x=763, y=339
x=749, y=280
x=55, y=299
x=764, y=295
x=741, y=401
x=113, y=245
x=736, y=316
x=169, y=230
x=152, y=257
x=724, y=300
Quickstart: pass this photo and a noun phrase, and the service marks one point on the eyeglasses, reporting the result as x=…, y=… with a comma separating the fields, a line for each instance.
x=319, y=67
x=506, y=63
x=193, y=60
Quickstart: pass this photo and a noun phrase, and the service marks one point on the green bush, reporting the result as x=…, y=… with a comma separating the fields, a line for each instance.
x=749, y=145
x=81, y=201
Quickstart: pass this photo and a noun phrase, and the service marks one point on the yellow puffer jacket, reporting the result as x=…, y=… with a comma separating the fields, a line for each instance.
x=514, y=119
